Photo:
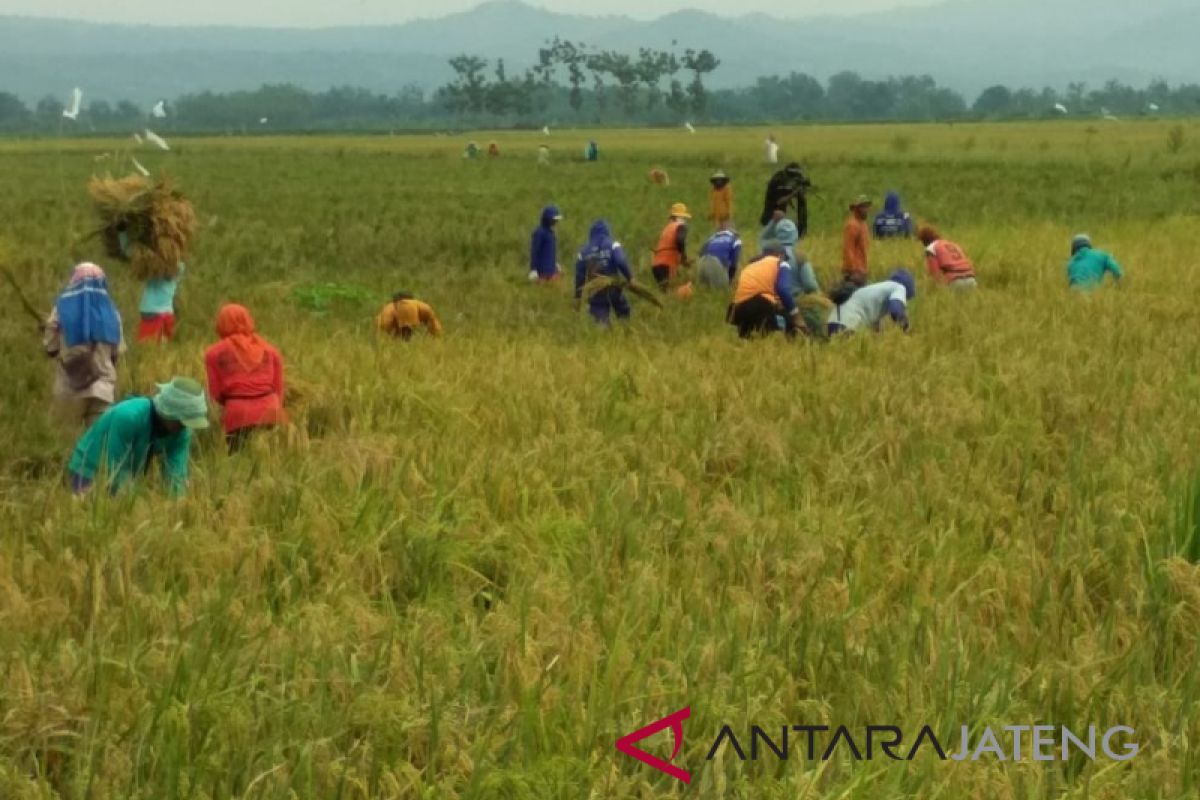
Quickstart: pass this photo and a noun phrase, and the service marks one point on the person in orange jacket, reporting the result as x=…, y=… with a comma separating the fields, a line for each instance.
x=402, y=316
x=856, y=239
x=671, y=251
x=948, y=264
x=720, y=201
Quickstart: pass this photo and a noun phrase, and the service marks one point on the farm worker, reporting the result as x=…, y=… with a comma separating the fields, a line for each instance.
x=783, y=234
x=543, y=251
x=245, y=377
x=867, y=307
x=893, y=222
x=119, y=447
x=404, y=314
x=1087, y=266
x=947, y=262
x=472, y=150
x=543, y=155
x=659, y=177
x=856, y=240
x=671, y=251
x=157, y=308
x=788, y=186
x=763, y=293
x=592, y=151
x=493, y=150
x=720, y=200
x=720, y=258
x=83, y=334
x=772, y=150
x=602, y=257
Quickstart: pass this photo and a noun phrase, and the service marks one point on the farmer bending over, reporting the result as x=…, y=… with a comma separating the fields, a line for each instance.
x=402, y=316
x=856, y=309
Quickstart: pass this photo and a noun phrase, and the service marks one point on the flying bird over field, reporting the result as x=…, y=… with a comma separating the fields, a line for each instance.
x=160, y=109
x=72, y=113
x=137, y=137
x=262, y=121
x=157, y=140
x=145, y=173
x=1153, y=107
x=689, y=127
x=1060, y=108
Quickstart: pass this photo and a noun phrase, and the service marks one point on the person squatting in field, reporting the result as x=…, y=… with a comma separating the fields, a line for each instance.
x=1087, y=267
x=245, y=377
x=603, y=257
x=720, y=258
x=543, y=249
x=856, y=242
x=128, y=436
x=866, y=307
x=893, y=222
x=764, y=293
x=671, y=251
x=948, y=264
x=83, y=336
x=782, y=233
x=720, y=200
x=404, y=314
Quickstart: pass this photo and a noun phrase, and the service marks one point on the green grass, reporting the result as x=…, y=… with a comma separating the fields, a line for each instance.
x=472, y=564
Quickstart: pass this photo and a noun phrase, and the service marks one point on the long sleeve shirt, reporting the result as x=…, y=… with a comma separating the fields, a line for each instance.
x=867, y=307
x=249, y=398
x=409, y=313
x=543, y=252
x=608, y=262
x=1087, y=268
x=121, y=443
x=855, y=241
x=104, y=364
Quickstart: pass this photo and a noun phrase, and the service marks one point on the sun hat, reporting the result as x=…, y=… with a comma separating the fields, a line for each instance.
x=183, y=401
x=862, y=200
x=680, y=210
x=1081, y=241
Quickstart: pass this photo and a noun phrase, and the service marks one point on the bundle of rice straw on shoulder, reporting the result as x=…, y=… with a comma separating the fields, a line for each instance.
x=602, y=282
x=157, y=220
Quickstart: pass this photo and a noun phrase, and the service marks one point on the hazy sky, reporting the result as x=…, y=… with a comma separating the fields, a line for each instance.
x=311, y=13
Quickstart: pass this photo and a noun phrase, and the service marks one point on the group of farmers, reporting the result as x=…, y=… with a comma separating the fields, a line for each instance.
x=778, y=288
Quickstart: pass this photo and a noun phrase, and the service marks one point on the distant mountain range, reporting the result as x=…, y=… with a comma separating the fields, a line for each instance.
x=963, y=44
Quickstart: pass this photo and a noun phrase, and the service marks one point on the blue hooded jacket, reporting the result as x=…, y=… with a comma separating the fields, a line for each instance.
x=893, y=222
x=543, y=251
x=606, y=256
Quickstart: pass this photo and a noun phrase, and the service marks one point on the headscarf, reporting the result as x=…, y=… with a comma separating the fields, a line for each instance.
x=236, y=326
x=905, y=279
x=891, y=204
x=86, y=314
x=182, y=400
x=1081, y=242
x=600, y=238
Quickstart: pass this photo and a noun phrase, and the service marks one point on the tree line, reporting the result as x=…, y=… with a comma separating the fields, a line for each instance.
x=571, y=85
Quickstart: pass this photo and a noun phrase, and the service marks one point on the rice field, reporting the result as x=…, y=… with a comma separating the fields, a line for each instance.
x=472, y=564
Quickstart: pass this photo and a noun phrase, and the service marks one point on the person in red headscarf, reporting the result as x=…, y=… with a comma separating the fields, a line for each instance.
x=245, y=376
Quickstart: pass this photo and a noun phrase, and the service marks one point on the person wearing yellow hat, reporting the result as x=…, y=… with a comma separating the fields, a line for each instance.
x=671, y=252
x=120, y=446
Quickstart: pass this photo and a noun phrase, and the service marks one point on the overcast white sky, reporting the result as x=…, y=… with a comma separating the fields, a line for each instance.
x=315, y=13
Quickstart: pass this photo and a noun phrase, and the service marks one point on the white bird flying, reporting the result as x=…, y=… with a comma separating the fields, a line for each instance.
x=72, y=113
x=160, y=109
x=137, y=137
x=1154, y=106
x=689, y=127
x=145, y=173
x=1060, y=108
x=157, y=140
x=262, y=121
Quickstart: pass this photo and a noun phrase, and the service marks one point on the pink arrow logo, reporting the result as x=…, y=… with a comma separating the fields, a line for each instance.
x=675, y=722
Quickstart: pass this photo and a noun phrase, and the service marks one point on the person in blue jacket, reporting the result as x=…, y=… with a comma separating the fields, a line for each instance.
x=603, y=257
x=1087, y=266
x=893, y=222
x=720, y=258
x=543, y=251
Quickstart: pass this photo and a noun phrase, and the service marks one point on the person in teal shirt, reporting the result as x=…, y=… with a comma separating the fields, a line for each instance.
x=121, y=444
x=1087, y=266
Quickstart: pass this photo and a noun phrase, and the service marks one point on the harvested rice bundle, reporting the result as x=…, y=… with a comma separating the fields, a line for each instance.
x=158, y=223
x=602, y=282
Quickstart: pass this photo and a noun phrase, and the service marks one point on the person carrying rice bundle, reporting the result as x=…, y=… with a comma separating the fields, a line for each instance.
x=401, y=317
x=948, y=264
x=1087, y=267
x=128, y=436
x=857, y=308
x=83, y=335
x=245, y=377
x=602, y=272
x=764, y=293
x=150, y=226
x=671, y=251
